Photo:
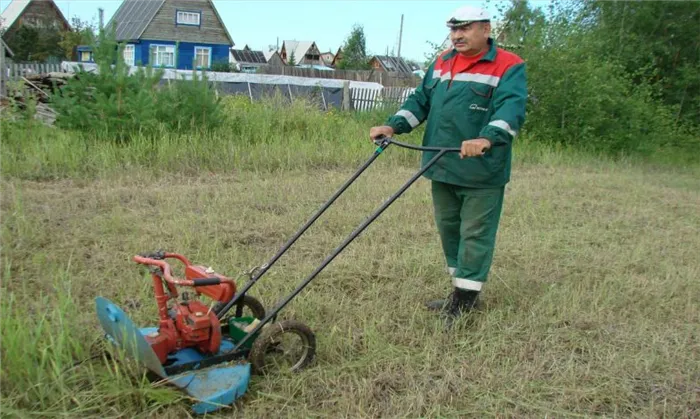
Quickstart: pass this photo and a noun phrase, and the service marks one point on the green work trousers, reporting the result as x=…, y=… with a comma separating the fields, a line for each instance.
x=467, y=220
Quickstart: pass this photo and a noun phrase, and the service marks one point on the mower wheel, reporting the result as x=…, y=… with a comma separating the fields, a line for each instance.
x=269, y=346
x=256, y=308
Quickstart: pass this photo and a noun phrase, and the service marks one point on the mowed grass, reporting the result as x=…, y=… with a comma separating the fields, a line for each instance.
x=591, y=308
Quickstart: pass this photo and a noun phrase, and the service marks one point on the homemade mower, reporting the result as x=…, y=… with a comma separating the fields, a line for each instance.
x=194, y=344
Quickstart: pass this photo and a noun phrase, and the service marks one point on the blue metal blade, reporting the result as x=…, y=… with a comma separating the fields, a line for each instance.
x=212, y=388
x=119, y=327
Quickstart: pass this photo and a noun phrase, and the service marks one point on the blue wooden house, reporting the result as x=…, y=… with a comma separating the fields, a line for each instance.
x=181, y=34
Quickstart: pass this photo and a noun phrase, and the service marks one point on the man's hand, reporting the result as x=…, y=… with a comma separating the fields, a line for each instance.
x=377, y=132
x=473, y=148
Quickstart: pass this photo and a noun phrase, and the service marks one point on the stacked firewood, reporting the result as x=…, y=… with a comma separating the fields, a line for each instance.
x=40, y=87
x=47, y=81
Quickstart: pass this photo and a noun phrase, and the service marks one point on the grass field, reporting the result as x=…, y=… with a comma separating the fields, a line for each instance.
x=591, y=308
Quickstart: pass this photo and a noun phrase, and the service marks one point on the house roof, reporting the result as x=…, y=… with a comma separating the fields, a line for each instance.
x=268, y=54
x=327, y=57
x=298, y=47
x=12, y=12
x=394, y=63
x=15, y=9
x=248, y=56
x=338, y=56
x=134, y=16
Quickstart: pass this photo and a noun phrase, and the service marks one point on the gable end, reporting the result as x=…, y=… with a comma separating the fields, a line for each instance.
x=209, y=29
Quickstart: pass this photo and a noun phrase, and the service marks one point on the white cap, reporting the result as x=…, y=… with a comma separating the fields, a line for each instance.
x=465, y=15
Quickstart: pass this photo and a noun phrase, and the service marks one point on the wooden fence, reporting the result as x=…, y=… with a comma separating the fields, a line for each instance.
x=387, y=79
x=373, y=99
x=3, y=76
x=14, y=72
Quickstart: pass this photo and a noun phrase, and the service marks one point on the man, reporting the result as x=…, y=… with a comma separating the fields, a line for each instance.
x=472, y=97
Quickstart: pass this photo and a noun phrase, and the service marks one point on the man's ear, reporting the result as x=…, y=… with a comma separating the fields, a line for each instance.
x=487, y=29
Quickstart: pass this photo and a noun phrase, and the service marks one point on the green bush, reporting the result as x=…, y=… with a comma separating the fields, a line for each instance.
x=582, y=92
x=593, y=104
x=120, y=105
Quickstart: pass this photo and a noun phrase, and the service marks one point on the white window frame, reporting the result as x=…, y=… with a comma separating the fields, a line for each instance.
x=184, y=17
x=208, y=49
x=155, y=60
x=130, y=54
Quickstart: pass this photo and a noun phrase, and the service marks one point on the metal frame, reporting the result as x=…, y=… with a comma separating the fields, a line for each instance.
x=382, y=144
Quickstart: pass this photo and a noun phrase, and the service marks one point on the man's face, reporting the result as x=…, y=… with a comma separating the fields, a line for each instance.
x=470, y=38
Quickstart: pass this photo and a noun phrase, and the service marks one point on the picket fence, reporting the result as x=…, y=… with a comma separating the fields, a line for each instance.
x=14, y=71
x=379, y=99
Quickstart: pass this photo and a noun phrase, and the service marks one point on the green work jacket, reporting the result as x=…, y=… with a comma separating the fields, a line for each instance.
x=486, y=100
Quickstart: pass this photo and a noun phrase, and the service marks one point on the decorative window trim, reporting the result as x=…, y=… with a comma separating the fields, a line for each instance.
x=150, y=55
x=181, y=17
x=130, y=48
x=209, y=49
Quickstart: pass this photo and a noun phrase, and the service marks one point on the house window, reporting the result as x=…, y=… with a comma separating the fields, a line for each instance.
x=129, y=54
x=84, y=56
x=202, y=57
x=188, y=18
x=163, y=55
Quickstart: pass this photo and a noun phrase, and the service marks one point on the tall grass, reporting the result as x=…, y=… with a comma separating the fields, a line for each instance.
x=263, y=136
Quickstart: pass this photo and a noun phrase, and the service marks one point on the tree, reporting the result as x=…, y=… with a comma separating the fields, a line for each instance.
x=430, y=56
x=522, y=23
x=83, y=33
x=656, y=42
x=39, y=43
x=355, y=51
x=292, y=60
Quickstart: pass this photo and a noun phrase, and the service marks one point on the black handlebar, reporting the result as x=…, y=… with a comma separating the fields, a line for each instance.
x=158, y=255
x=383, y=142
x=203, y=282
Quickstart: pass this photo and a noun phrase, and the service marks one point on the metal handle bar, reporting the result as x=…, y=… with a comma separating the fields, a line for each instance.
x=167, y=274
x=385, y=141
x=382, y=143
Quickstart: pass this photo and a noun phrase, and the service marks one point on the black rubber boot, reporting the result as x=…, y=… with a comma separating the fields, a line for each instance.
x=463, y=301
x=460, y=301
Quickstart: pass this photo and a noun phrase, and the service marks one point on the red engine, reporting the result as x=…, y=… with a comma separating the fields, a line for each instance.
x=190, y=326
x=188, y=323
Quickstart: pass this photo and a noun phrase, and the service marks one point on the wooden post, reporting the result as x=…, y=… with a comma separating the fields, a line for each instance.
x=400, y=36
x=3, y=70
x=346, y=95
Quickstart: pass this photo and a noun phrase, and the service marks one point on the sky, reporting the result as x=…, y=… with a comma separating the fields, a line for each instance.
x=261, y=23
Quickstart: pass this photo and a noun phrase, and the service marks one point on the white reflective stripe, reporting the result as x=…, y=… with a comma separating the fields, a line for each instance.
x=475, y=77
x=451, y=271
x=410, y=117
x=478, y=78
x=503, y=125
x=467, y=284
